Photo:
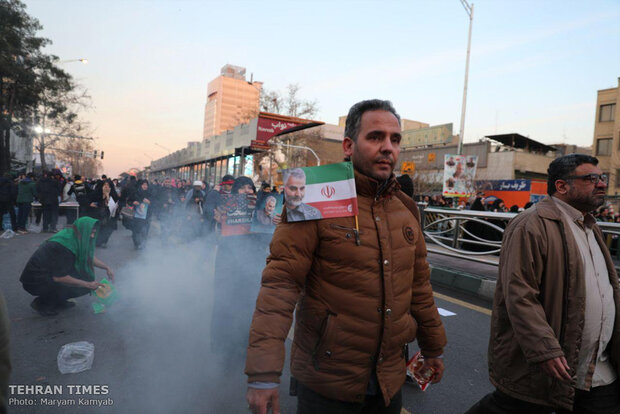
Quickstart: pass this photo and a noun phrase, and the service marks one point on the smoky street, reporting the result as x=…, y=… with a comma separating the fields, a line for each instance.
x=153, y=348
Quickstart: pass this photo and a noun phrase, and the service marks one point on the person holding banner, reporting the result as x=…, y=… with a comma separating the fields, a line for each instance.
x=361, y=286
x=239, y=258
x=141, y=201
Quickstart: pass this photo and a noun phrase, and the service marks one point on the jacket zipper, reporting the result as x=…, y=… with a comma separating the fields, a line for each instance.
x=322, y=338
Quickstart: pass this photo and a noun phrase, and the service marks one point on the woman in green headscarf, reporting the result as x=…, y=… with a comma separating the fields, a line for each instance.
x=63, y=268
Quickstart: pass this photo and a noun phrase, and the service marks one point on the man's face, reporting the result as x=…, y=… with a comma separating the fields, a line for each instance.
x=294, y=191
x=378, y=145
x=226, y=188
x=582, y=193
x=145, y=186
x=246, y=189
x=270, y=205
x=459, y=170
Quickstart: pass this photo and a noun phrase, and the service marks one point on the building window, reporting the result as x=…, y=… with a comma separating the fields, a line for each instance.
x=603, y=146
x=607, y=113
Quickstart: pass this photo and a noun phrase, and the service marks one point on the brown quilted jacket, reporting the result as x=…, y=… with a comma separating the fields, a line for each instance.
x=356, y=305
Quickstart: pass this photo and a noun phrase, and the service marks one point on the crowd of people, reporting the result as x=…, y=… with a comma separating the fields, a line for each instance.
x=360, y=286
x=184, y=208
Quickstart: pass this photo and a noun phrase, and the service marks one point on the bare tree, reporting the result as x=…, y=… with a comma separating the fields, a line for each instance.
x=57, y=114
x=80, y=154
x=427, y=182
x=289, y=104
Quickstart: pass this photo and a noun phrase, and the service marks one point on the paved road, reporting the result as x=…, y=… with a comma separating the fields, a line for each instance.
x=152, y=347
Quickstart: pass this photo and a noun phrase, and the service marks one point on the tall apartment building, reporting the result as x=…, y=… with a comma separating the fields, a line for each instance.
x=606, y=145
x=231, y=100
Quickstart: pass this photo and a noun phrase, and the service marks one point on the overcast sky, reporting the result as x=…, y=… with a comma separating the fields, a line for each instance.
x=535, y=65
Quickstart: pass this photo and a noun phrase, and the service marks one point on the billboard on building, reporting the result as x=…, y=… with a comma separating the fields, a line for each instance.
x=459, y=174
x=438, y=134
x=267, y=128
x=270, y=125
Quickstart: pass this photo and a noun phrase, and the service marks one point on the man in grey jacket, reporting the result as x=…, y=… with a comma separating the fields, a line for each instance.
x=555, y=329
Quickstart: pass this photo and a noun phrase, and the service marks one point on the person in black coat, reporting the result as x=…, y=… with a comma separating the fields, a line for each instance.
x=49, y=192
x=8, y=199
x=98, y=208
x=140, y=199
x=239, y=280
x=476, y=229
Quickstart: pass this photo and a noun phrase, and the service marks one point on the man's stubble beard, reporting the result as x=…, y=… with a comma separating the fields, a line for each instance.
x=366, y=167
x=585, y=202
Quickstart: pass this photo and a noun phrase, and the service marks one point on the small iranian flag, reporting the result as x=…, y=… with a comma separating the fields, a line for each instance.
x=320, y=192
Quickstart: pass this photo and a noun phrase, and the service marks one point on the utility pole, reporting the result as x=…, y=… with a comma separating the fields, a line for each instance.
x=470, y=11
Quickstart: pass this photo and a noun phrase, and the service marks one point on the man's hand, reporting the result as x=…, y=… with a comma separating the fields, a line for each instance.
x=110, y=273
x=259, y=401
x=436, y=364
x=277, y=219
x=93, y=285
x=556, y=368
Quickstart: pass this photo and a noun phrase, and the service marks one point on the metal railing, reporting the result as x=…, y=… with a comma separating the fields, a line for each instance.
x=477, y=235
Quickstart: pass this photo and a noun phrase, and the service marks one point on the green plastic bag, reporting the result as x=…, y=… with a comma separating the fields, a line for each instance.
x=104, y=296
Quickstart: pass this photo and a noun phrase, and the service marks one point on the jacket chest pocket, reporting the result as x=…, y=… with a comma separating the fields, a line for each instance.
x=344, y=233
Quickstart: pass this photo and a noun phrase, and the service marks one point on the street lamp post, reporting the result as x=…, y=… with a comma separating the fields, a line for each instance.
x=82, y=60
x=470, y=11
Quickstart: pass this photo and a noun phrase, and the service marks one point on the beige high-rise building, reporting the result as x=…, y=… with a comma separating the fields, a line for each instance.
x=606, y=145
x=231, y=100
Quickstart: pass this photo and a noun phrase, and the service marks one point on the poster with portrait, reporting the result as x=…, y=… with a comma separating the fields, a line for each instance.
x=313, y=193
x=458, y=175
x=267, y=213
x=236, y=213
x=141, y=210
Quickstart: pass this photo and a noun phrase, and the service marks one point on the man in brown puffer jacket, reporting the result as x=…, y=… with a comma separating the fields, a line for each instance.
x=361, y=293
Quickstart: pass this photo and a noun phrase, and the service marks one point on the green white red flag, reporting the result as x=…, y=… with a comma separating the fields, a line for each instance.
x=330, y=189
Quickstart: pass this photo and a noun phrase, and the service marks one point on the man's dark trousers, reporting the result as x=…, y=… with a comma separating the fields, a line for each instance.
x=310, y=402
x=50, y=216
x=23, y=211
x=599, y=400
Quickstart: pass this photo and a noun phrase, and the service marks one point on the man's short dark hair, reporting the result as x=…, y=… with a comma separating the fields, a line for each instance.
x=562, y=167
x=354, y=119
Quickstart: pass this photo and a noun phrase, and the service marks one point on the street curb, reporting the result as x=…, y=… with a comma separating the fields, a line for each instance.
x=465, y=282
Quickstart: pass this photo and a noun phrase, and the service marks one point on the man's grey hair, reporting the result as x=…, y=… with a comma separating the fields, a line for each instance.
x=294, y=172
x=269, y=198
x=563, y=167
x=354, y=119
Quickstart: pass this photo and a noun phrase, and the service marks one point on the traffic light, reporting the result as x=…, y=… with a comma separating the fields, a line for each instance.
x=101, y=154
x=95, y=154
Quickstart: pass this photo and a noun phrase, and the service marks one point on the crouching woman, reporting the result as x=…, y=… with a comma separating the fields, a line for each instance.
x=63, y=268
